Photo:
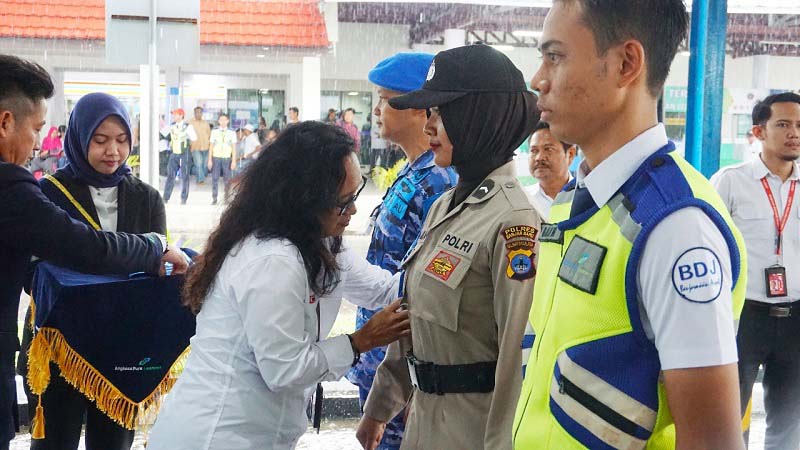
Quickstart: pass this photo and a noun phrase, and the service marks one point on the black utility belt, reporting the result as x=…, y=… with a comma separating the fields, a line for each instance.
x=451, y=379
x=779, y=310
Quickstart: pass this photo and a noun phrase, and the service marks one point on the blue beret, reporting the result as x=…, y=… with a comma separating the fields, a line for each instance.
x=403, y=72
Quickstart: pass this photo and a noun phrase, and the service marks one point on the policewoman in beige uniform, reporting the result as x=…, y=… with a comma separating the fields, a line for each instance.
x=469, y=277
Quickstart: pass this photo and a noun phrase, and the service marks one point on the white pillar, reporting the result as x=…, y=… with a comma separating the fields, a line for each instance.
x=454, y=38
x=148, y=127
x=761, y=71
x=57, y=105
x=304, y=88
x=312, y=84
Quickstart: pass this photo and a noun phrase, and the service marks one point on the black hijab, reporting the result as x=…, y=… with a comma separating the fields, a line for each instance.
x=485, y=129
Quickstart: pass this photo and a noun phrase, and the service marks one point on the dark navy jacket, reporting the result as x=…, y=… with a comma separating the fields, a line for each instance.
x=31, y=225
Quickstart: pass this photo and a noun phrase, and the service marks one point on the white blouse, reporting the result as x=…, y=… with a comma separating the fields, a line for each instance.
x=105, y=203
x=255, y=359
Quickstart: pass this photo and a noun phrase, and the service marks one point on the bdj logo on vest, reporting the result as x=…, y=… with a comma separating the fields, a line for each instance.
x=697, y=275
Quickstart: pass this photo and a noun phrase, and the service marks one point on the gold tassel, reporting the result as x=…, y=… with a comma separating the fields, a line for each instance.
x=32, y=322
x=39, y=357
x=38, y=422
x=49, y=344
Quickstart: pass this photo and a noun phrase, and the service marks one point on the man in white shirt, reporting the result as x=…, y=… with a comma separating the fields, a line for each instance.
x=633, y=307
x=549, y=164
x=761, y=196
x=251, y=147
x=222, y=162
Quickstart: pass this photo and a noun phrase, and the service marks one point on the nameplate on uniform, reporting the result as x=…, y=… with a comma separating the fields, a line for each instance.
x=551, y=233
x=580, y=267
x=458, y=243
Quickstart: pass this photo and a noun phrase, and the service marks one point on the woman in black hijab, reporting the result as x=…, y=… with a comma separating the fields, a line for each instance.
x=469, y=278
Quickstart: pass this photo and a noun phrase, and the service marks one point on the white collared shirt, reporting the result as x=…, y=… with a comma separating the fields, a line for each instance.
x=686, y=333
x=741, y=189
x=540, y=200
x=255, y=359
x=105, y=203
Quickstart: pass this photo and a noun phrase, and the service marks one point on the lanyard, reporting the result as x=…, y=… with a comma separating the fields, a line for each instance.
x=317, y=413
x=74, y=202
x=780, y=223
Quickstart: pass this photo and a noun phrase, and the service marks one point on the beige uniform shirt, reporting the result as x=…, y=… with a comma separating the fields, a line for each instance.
x=469, y=285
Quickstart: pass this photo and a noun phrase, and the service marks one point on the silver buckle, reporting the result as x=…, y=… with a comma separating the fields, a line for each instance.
x=780, y=311
x=412, y=370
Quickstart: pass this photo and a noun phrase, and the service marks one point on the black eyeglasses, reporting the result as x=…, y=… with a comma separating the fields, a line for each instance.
x=352, y=201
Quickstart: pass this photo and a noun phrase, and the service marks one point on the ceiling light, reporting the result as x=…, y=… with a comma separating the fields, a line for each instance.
x=795, y=43
x=261, y=56
x=352, y=93
x=527, y=33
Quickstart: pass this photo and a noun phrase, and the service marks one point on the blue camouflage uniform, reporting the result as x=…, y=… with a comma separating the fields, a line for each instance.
x=397, y=222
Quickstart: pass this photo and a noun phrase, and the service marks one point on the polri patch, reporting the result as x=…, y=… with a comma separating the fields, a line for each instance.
x=443, y=265
x=697, y=275
x=580, y=267
x=520, y=241
x=458, y=243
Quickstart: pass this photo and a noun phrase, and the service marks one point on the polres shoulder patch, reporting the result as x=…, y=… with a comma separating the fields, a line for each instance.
x=520, y=241
x=697, y=275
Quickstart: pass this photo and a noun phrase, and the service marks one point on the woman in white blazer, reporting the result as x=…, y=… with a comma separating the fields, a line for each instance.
x=277, y=254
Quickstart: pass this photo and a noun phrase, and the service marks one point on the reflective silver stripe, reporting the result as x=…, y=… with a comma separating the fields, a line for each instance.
x=605, y=393
x=564, y=197
x=622, y=217
x=597, y=426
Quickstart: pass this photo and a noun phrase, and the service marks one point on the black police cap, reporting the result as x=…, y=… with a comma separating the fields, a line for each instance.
x=461, y=71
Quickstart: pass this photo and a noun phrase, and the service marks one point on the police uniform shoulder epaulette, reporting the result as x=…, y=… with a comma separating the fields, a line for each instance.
x=515, y=194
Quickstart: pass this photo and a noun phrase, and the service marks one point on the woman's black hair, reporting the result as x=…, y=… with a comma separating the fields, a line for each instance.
x=282, y=195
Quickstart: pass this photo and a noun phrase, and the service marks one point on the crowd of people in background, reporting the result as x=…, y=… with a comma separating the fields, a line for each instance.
x=186, y=147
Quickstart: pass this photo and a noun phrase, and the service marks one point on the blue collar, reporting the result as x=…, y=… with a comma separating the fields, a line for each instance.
x=424, y=161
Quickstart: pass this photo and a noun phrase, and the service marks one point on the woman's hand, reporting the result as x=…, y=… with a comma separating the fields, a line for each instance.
x=385, y=327
x=370, y=432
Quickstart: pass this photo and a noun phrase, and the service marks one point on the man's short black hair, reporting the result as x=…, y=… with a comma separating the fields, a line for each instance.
x=763, y=109
x=351, y=110
x=21, y=84
x=295, y=109
x=225, y=115
x=198, y=107
x=546, y=126
x=660, y=25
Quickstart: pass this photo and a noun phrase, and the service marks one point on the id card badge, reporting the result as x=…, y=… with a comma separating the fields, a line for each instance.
x=775, y=277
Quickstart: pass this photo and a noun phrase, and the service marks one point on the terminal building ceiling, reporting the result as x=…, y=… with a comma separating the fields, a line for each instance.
x=748, y=34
